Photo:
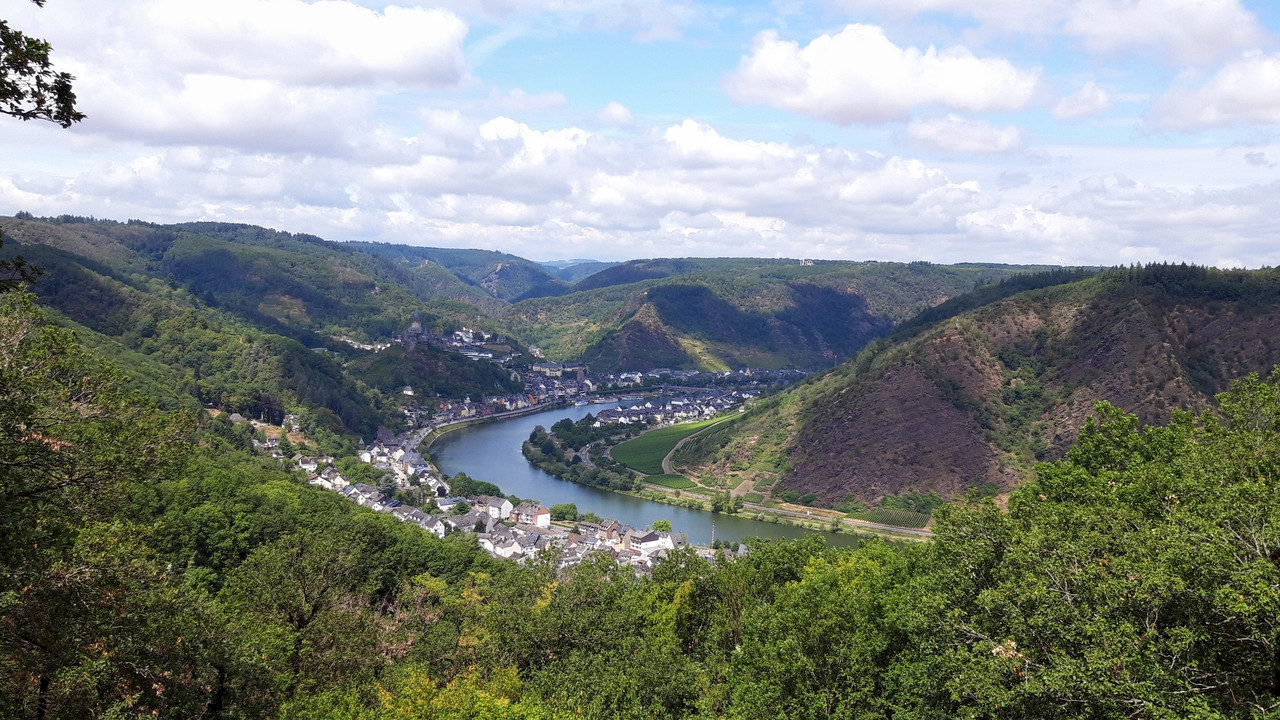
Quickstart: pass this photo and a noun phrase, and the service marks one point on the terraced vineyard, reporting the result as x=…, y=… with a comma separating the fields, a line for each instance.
x=884, y=516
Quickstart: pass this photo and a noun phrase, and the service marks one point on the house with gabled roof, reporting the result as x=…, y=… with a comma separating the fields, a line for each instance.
x=499, y=507
x=531, y=513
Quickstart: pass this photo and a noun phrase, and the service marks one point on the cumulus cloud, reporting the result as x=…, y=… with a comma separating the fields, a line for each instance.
x=255, y=115
x=1054, y=237
x=859, y=75
x=500, y=183
x=1244, y=91
x=686, y=189
x=1195, y=31
x=1114, y=219
x=960, y=135
x=1088, y=100
x=253, y=75
x=615, y=113
x=330, y=42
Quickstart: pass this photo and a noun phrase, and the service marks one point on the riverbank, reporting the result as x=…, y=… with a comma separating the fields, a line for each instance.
x=437, y=432
x=777, y=516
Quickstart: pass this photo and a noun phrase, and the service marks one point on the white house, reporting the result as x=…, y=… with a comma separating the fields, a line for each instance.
x=498, y=507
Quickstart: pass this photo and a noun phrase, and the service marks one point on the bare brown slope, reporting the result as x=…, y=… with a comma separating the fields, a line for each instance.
x=898, y=434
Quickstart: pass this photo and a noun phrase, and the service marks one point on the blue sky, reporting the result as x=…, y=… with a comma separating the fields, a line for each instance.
x=1046, y=131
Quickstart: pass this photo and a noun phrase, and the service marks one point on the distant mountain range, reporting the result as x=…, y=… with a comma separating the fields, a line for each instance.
x=225, y=312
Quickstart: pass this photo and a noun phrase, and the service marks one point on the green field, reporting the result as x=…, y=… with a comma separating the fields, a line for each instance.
x=645, y=453
x=675, y=482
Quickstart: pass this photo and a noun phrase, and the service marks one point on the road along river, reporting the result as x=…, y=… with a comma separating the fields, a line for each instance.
x=491, y=452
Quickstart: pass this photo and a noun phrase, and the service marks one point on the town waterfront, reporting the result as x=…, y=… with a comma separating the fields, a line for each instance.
x=491, y=452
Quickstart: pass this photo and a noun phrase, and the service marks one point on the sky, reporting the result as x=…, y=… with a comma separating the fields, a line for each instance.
x=1068, y=132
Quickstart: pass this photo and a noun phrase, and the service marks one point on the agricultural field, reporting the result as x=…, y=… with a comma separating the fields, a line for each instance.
x=645, y=453
x=675, y=482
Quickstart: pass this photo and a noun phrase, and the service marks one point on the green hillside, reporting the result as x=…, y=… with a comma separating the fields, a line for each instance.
x=973, y=401
x=718, y=313
x=229, y=316
x=500, y=275
x=432, y=371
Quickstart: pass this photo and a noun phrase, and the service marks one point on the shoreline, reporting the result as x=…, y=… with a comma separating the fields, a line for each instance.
x=696, y=501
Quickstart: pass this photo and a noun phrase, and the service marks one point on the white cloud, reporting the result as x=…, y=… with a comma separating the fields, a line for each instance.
x=698, y=144
x=687, y=189
x=1088, y=100
x=1053, y=237
x=859, y=75
x=647, y=20
x=257, y=115
x=255, y=75
x=330, y=42
x=615, y=113
x=1258, y=159
x=1195, y=31
x=960, y=135
x=1241, y=92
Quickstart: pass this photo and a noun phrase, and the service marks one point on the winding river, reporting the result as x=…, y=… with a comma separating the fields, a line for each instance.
x=491, y=452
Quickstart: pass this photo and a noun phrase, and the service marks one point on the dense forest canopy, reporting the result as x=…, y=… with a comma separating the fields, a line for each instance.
x=155, y=568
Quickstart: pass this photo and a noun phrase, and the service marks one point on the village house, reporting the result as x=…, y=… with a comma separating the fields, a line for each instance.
x=500, y=508
x=531, y=513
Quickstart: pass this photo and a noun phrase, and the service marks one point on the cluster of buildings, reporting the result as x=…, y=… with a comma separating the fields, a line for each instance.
x=502, y=529
x=674, y=410
x=475, y=344
x=395, y=456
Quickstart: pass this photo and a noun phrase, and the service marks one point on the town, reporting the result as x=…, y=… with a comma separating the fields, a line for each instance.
x=502, y=529
x=546, y=383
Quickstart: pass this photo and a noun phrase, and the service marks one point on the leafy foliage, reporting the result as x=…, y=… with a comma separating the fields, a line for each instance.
x=432, y=371
x=30, y=89
x=543, y=451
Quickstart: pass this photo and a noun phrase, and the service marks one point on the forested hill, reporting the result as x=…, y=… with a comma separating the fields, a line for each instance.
x=710, y=314
x=156, y=569
x=714, y=314
x=950, y=404
x=229, y=315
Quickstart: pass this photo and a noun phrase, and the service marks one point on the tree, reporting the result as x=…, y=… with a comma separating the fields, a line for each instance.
x=16, y=272
x=1136, y=577
x=30, y=89
x=564, y=511
x=662, y=525
x=298, y=607
x=70, y=435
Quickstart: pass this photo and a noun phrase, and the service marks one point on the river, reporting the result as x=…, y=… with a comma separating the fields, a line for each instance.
x=491, y=452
